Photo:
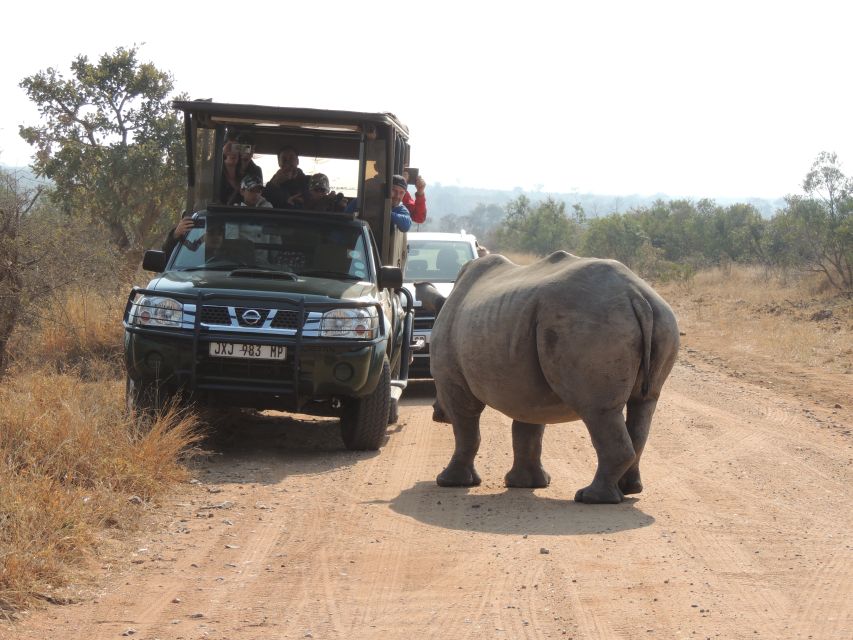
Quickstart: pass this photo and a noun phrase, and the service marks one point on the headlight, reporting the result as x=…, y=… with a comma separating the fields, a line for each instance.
x=350, y=323
x=154, y=311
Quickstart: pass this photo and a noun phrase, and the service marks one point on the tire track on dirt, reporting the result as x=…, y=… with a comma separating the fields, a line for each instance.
x=407, y=453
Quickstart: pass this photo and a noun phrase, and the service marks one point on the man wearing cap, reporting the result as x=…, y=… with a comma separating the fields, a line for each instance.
x=399, y=214
x=318, y=196
x=417, y=205
x=250, y=189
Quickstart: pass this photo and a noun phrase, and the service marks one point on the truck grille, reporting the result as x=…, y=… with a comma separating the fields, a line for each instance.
x=222, y=316
x=215, y=315
x=287, y=320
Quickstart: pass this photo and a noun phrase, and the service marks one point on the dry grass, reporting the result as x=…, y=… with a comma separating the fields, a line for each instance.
x=746, y=312
x=80, y=330
x=71, y=458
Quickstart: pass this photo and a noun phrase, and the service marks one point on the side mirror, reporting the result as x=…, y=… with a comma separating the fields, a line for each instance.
x=154, y=261
x=390, y=278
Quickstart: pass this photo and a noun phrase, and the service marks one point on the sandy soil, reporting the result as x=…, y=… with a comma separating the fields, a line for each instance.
x=743, y=530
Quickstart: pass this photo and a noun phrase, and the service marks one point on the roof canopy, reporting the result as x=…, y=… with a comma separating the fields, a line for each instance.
x=210, y=114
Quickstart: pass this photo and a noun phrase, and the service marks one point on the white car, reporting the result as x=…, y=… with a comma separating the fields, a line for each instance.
x=435, y=258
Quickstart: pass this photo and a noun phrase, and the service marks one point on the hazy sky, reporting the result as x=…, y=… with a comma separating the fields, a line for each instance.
x=696, y=99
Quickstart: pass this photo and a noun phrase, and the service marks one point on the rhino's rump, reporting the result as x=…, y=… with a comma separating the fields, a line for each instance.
x=567, y=333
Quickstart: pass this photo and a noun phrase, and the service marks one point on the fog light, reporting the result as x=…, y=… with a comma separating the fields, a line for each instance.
x=343, y=371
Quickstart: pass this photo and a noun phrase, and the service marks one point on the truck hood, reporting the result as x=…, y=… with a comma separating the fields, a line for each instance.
x=222, y=282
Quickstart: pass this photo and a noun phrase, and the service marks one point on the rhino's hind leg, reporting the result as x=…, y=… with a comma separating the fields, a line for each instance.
x=615, y=452
x=527, y=468
x=639, y=421
x=460, y=470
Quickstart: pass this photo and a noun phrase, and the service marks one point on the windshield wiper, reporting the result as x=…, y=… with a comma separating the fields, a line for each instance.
x=319, y=273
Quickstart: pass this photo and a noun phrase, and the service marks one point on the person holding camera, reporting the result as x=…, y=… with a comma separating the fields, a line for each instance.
x=400, y=216
x=288, y=181
x=417, y=205
x=236, y=163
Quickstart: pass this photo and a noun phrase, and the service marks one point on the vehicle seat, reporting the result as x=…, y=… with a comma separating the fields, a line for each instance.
x=239, y=250
x=416, y=269
x=447, y=263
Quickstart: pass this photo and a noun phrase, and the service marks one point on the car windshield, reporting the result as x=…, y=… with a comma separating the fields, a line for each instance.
x=436, y=260
x=274, y=243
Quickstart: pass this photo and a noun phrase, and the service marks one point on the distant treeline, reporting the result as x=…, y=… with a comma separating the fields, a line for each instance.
x=666, y=238
x=456, y=200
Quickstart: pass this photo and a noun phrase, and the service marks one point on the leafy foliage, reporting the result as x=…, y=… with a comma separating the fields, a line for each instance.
x=817, y=228
x=537, y=228
x=110, y=144
x=672, y=239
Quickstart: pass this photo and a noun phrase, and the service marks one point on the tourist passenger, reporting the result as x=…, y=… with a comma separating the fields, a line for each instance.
x=176, y=233
x=250, y=190
x=236, y=163
x=417, y=205
x=288, y=181
x=318, y=196
x=247, y=164
x=400, y=216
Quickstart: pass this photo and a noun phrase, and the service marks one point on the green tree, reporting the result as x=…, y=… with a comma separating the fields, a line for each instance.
x=816, y=229
x=110, y=143
x=481, y=221
x=538, y=229
x=616, y=236
x=16, y=201
x=675, y=227
x=732, y=234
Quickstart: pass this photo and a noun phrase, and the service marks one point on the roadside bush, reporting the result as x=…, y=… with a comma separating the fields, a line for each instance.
x=70, y=459
x=77, y=329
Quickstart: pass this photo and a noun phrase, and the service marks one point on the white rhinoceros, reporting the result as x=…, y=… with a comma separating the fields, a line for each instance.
x=563, y=339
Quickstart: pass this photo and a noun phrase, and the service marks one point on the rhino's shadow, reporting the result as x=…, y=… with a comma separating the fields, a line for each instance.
x=514, y=511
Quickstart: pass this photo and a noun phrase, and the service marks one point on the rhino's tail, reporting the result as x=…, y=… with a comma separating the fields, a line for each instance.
x=645, y=316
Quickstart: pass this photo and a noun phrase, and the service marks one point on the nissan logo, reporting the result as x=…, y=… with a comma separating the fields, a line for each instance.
x=250, y=316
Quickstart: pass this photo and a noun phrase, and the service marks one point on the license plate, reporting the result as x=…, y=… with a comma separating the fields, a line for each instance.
x=248, y=351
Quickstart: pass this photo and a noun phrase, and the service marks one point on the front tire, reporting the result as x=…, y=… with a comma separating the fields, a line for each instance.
x=393, y=406
x=365, y=419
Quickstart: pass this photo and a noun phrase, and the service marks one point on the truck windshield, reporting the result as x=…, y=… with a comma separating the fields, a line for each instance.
x=275, y=243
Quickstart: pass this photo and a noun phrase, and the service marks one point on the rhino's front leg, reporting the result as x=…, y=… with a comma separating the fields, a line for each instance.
x=615, y=453
x=527, y=468
x=460, y=470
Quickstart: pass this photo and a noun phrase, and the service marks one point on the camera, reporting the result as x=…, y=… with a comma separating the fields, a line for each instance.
x=236, y=147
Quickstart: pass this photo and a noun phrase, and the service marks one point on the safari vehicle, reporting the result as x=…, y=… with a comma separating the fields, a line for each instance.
x=435, y=258
x=280, y=308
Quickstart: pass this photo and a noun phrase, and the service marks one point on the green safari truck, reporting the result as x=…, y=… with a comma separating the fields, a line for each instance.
x=279, y=307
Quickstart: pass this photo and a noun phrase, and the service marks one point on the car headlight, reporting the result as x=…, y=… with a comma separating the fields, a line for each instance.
x=350, y=323
x=156, y=311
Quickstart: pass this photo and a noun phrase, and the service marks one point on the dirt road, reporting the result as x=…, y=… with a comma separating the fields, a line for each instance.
x=743, y=532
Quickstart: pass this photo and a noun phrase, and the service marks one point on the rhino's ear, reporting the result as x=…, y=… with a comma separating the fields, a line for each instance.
x=429, y=296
